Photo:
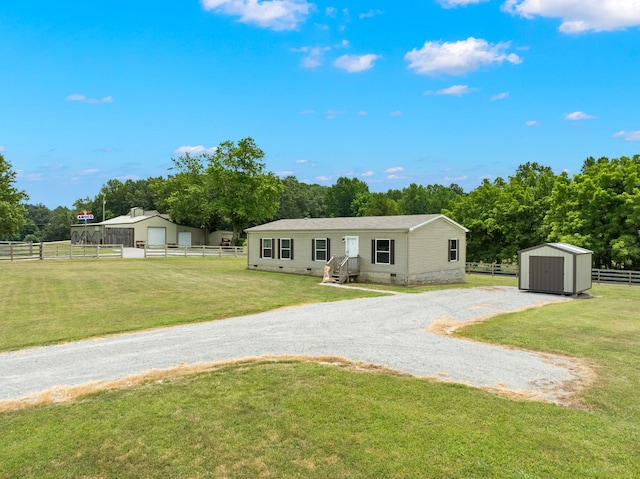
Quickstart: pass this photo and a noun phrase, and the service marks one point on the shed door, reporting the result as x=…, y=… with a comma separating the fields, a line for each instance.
x=184, y=238
x=156, y=236
x=546, y=274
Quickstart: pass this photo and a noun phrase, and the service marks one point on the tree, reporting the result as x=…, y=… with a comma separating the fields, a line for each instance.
x=339, y=197
x=243, y=192
x=300, y=200
x=59, y=226
x=186, y=195
x=477, y=212
x=374, y=204
x=413, y=200
x=599, y=209
x=505, y=217
x=12, y=211
x=432, y=199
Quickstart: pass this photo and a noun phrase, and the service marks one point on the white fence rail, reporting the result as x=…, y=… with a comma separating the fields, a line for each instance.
x=611, y=276
x=168, y=251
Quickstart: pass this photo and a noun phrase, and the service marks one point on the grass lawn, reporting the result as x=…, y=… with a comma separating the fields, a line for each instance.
x=44, y=302
x=311, y=420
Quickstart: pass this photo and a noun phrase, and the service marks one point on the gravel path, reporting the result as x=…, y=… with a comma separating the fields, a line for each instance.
x=389, y=331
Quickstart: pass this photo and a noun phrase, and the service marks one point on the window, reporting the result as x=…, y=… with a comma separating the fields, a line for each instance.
x=453, y=250
x=382, y=251
x=285, y=246
x=266, y=248
x=320, y=249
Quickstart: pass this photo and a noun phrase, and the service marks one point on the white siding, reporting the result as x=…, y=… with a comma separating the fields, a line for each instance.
x=577, y=267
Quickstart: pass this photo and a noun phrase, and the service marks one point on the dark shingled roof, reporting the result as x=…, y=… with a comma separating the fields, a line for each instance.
x=398, y=223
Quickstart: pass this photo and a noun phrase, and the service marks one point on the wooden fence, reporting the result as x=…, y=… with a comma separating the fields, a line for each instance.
x=168, y=251
x=611, y=276
x=57, y=250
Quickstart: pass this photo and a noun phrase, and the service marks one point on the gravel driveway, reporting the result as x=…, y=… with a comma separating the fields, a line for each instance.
x=389, y=331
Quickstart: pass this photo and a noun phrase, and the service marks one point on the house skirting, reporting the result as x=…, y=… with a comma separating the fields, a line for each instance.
x=433, y=277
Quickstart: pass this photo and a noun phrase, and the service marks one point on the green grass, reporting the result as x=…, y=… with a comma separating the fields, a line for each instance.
x=307, y=420
x=44, y=302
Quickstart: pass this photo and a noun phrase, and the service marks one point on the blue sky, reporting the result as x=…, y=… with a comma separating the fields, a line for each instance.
x=393, y=93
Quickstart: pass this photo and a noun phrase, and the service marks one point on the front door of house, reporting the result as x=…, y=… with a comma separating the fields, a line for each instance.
x=351, y=246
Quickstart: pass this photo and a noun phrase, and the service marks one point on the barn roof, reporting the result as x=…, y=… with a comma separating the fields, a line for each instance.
x=397, y=223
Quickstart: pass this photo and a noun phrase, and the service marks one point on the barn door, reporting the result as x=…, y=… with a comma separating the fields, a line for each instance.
x=546, y=274
x=156, y=236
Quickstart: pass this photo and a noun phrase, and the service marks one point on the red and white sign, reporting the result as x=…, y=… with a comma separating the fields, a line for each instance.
x=85, y=216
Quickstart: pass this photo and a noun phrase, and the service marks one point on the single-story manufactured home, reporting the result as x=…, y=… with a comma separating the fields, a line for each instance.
x=140, y=228
x=411, y=249
x=558, y=268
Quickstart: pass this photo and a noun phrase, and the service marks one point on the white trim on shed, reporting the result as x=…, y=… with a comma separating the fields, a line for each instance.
x=558, y=268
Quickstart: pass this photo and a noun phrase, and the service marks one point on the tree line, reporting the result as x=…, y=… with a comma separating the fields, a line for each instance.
x=598, y=208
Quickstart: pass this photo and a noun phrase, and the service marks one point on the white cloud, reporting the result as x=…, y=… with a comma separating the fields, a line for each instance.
x=580, y=15
x=323, y=178
x=363, y=113
x=458, y=58
x=2, y=148
x=84, y=99
x=459, y=3
x=395, y=169
x=370, y=13
x=395, y=113
x=500, y=96
x=285, y=173
x=89, y=172
x=314, y=57
x=356, y=63
x=628, y=135
x=331, y=114
x=331, y=11
x=532, y=123
x=455, y=90
x=455, y=178
x=195, y=150
x=577, y=115
x=274, y=14
x=302, y=162
x=307, y=112
x=367, y=174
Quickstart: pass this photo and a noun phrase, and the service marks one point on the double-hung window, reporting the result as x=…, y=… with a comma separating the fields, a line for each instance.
x=382, y=251
x=320, y=249
x=453, y=249
x=286, y=248
x=266, y=248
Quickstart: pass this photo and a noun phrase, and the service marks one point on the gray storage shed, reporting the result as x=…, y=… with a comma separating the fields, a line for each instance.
x=558, y=268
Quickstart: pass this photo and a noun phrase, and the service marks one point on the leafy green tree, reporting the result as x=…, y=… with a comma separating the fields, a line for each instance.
x=300, y=200
x=186, y=195
x=599, y=209
x=339, y=197
x=477, y=212
x=414, y=200
x=432, y=199
x=244, y=192
x=505, y=217
x=374, y=204
x=36, y=220
x=59, y=226
x=522, y=207
x=12, y=211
